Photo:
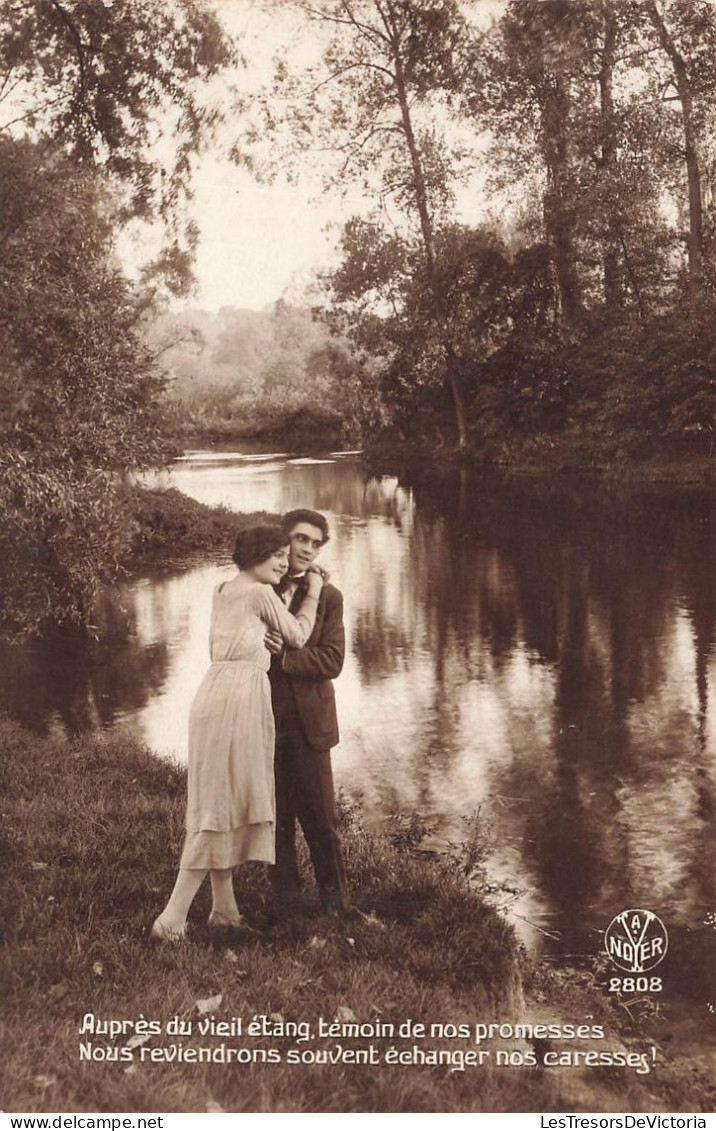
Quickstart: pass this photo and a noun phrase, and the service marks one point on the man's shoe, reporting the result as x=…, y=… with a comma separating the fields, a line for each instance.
x=352, y=914
x=334, y=901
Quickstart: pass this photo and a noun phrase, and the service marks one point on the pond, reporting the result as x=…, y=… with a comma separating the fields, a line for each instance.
x=530, y=659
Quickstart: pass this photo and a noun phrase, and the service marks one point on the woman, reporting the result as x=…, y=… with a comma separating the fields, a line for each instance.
x=231, y=806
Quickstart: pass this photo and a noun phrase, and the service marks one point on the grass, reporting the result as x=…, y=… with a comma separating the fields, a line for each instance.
x=91, y=833
x=168, y=523
x=543, y=456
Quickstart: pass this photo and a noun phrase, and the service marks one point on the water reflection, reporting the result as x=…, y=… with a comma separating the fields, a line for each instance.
x=597, y=592
x=78, y=681
x=541, y=650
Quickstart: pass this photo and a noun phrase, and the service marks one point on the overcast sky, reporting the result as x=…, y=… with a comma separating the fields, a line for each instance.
x=261, y=241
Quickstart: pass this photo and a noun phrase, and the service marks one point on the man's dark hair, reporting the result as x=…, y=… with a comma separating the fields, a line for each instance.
x=292, y=518
x=257, y=543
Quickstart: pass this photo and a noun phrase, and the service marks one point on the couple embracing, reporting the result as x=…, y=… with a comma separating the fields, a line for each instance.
x=261, y=727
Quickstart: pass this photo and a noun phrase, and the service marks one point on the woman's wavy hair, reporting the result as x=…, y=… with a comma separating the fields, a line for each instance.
x=257, y=543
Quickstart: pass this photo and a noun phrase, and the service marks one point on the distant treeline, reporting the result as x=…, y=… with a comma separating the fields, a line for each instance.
x=252, y=373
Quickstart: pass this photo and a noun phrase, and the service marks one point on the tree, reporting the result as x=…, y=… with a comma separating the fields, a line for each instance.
x=79, y=395
x=87, y=88
x=384, y=65
x=545, y=38
x=689, y=45
x=565, y=94
x=104, y=79
x=498, y=313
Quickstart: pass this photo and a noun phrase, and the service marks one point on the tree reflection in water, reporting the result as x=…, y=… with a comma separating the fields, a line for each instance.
x=607, y=590
x=540, y=648
x=79, y=681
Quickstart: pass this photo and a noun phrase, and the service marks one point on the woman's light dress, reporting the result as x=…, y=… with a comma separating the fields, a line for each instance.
x=231, y=804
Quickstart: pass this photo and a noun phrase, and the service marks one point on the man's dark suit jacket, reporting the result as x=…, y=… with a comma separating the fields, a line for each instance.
x=312, y=668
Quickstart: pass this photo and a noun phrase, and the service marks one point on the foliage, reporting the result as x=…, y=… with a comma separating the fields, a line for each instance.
x=242, y=372
x=409, y=830
x=87, y=90
x=492, y=306
x=626, y=387
x=540, y=329
x=99, y=77
x=169, y=525
x=80, y=397
x=653, y=385
x=628, y=390
x=376, y=101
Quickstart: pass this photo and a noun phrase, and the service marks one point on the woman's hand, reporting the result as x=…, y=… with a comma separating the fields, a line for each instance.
x=316, y=579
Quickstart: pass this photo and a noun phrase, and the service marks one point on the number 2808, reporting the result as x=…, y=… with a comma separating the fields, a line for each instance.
x=635, y=985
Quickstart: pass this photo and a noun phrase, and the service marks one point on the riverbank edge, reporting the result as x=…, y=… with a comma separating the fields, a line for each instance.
x=91, y=832
x=693, y=467
x=169, y=527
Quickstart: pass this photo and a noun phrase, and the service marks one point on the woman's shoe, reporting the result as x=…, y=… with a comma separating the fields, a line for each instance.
x=222, y=928
x=162, y=933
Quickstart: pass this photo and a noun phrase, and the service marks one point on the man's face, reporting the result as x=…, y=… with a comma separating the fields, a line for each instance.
x=305, y=541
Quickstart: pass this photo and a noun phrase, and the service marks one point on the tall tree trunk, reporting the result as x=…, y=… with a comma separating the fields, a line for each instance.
x=613, y=291
x=421, y=195
x=693, y=170
x=458, y=398
x=559, y=211
x=426, y=226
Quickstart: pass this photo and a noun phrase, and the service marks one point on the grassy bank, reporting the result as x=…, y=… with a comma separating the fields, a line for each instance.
x=91, y=834
x=171, y=525
x=691, y=465
x=688, y=464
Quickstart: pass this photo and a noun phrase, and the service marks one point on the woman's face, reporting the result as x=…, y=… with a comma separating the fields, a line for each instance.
x=272, y=570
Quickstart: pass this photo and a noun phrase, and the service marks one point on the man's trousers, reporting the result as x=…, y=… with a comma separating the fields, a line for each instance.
x=304, y=793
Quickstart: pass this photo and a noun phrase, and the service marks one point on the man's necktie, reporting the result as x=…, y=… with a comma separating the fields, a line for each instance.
x=293, y=583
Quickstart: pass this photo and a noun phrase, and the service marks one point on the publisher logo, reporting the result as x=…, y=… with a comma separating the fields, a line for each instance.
x=636, y=940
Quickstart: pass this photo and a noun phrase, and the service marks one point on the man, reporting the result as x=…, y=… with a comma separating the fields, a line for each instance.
x=306, y=727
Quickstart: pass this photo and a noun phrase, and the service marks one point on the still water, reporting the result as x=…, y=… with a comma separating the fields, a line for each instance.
x=539, y=652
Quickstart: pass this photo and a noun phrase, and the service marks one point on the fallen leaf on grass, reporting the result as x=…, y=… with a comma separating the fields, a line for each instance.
x=45, y=1081
x=345, y=1013
x=132, y=1070
x=214, y=1107
x=39, y=865
x=137, y=1040
x=232, y=957
x=372, y=920
x=58, y=991
x=209, y=1004
x=316, y=943
x=98, y=969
